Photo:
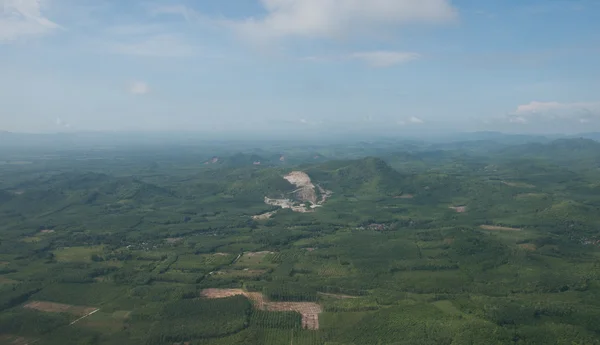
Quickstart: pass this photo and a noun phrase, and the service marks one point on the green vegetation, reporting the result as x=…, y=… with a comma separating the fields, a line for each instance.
x=467, y=243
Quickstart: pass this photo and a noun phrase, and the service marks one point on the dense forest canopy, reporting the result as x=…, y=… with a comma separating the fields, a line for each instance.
x=491, y=240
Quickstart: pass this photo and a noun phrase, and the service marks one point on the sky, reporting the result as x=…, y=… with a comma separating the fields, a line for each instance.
x=290, y=66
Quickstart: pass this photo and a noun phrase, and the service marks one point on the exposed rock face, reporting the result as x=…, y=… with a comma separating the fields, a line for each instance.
x=306, y=190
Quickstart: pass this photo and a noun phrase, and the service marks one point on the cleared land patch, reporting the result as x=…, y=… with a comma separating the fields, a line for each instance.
x=518, y=184
x=337, y=296
x=77, y=254
x=310, y=311
x=404, y=196
x=528, y=246
x=498, y=228
x=51, y=307
x=264, y=216
x=459, y=209
x=14, y=340
x=7, y=281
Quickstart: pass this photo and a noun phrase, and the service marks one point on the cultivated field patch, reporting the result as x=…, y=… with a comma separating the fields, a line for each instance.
x=310, y=311
x=51, y=307
x=498, y=228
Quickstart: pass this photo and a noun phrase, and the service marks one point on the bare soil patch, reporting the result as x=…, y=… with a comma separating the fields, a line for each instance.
x=10, y=339
x=173, y=240
x=528, y=246
x=264, y=216
x=47, y=231
x=4, y=280
x=220, y=254
x=50, y=307
x=333, y=295
x=253, y=254
x=309, y=311
x=448, y=240
x=518, y=184
x=404, y=196
x=459, y=209
x=498, y=228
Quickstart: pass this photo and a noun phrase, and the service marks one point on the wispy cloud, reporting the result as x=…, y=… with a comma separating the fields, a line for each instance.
x=582, y=112
x=385, y=58
x=179, y=10
x=159, y=45
x=413, y=120
x=139, y=88
x=23, y=19
x=339, y=18
x=379, y=59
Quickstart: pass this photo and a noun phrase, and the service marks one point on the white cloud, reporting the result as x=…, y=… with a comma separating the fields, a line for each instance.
x=339, y=18
x=517, y=119
x=161, y=45
x=61, y=123
x=415, y=120
x=582, y=112
x=179, y=10
x=139, y=88
x=385, y=58
x=23, y=18
x=380, y=59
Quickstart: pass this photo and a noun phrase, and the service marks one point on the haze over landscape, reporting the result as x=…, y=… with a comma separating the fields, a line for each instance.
x=311, y=66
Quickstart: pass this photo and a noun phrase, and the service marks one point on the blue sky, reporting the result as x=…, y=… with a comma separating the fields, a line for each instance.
x=300, y=65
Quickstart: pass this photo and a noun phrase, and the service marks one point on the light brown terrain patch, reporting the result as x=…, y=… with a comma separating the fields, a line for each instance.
x=253, y=254
x=10, y=339
x=498, y=228
x=448, y=240
x=173, y=240
x=337, y=296
x=264, y=216
x=459, y=209
x=6, y=281
x=404, y=196
x=518, y=184
x=529, y=195
x=47, y=231
x=51, y=307
x=309, y=311
x=220, y=254
x=528, y=246
x=246, y=272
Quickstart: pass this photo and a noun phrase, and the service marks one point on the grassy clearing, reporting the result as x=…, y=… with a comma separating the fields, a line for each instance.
x=448, y=308
x=51, y=307
x=77, y=254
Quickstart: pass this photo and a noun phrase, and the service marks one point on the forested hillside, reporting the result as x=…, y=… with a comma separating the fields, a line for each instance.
x=404, y=243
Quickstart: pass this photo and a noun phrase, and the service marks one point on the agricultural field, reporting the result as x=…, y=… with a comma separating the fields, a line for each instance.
x=415, y=244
